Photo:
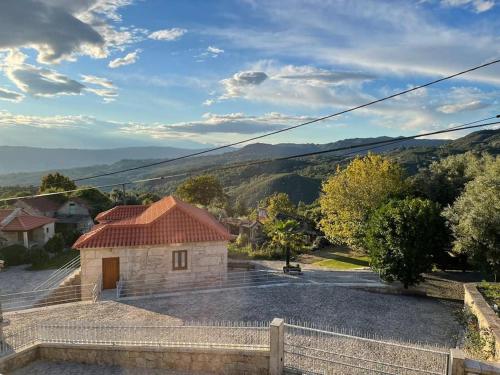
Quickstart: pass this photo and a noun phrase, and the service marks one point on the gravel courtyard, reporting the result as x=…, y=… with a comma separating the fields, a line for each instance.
x=387, y=316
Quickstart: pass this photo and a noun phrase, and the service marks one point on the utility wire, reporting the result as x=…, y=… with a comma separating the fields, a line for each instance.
x=369, y=146
x=295, y=126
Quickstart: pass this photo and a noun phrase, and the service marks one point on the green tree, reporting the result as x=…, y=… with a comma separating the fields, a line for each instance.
x=286, y=235
x=56, y=181
x=404, y=237
x=444, y=180
x=349, y=196
x=205, y=190
x=279, y=203
x=55, y=245
x=148, y=198
x=474, y=219
x=95, y=199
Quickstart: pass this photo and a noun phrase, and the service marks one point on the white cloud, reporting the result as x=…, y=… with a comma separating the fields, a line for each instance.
x=232, y=123
x=214, y=51
x=461, y=107
x=11, y=96
x=99, y=81
x=46, y=122
x=129, y=58
x=397, y=38
x=478, y=6
x=234, y=86
x=168, y=34
x=60, y=30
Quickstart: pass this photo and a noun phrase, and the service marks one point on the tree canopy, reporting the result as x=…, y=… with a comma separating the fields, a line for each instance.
x=205, y=190
x=279, y=203
x=349, y=196
x=404, y=237
x=56, y=182
x=285, y=235
x=475, y=219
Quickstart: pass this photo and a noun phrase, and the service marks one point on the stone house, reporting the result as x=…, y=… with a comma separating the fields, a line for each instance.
x=20, y=227
x=166, y=239
x=252, y=229
x=73, y=214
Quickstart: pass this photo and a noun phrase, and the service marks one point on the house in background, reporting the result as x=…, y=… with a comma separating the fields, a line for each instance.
x=252, y=229
x=168, y=238
x=72, y=214
x=20, y=227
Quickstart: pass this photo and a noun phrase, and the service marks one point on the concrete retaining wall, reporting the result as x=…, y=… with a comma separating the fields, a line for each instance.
x=215, y=361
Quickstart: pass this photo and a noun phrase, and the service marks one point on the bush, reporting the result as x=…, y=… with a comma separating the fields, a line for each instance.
x=38, y=256
x=241, y=240
x=14, y=255
x=55, y=245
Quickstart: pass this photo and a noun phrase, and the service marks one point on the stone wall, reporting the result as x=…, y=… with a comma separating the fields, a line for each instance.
x=460, y=365
x=486, y=317
x=215, y=361
x=205, y=260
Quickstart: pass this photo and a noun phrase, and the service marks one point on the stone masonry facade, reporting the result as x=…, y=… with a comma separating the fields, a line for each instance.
x=205, y=261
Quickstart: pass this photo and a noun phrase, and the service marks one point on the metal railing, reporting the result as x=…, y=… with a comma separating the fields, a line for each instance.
x=325, y=352
x=181, y=283
x=59, y=275
x=237, y=335
x=47, y=297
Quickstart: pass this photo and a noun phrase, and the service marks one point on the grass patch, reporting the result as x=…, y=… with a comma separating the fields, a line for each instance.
x=337, y=258
x=57, y=261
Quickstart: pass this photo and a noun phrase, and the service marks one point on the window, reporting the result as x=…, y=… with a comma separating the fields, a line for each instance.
x=47, y=229
x=179, y=260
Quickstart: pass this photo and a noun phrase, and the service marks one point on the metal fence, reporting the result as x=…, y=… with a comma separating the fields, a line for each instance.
x=182, y=283
x=59, y=275
x=238, y=335
x=52, y=296
x=318, y=351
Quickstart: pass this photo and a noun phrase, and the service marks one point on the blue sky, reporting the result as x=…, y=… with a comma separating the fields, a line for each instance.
x=111, y=73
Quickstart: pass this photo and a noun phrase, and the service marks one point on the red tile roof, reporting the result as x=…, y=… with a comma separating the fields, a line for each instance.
x=23, y=221
x=167, y=221
x=120, y=213
x=42, y=204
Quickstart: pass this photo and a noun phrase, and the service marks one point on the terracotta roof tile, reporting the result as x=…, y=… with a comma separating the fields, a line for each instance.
x=120, y=213
x=23, y=221
x=42, y=204
x=167, y=221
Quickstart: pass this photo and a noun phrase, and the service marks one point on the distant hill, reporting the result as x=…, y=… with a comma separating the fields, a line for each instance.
x=300, y=178
x=14, y=159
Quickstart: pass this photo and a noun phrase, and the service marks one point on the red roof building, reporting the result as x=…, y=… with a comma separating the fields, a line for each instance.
x=166, y=237
x=18, y=226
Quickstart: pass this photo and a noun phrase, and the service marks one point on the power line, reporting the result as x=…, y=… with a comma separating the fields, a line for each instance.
x=295, y=126
x=369, y=145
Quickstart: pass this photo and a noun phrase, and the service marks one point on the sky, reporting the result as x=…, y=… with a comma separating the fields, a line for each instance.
x=192, y=73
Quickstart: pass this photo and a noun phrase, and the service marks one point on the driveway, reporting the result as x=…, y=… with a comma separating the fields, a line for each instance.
x=19, y=279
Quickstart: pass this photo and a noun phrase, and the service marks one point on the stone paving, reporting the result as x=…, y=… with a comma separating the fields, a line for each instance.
x=387, y=316
x=18, y=279
x=69, y=368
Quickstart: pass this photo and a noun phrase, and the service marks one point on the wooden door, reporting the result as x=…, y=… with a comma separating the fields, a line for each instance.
x=110, y=272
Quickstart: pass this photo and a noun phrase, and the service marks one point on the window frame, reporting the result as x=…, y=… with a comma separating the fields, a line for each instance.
x=178, y=255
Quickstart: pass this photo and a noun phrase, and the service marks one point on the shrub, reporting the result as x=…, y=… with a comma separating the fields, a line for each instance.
x=37, y=256
x=241, y=240
x=55, y=245
x=14, y=255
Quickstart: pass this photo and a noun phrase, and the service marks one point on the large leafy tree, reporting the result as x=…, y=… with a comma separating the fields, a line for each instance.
x=444, y=180
x=279, y=203
x=404, y=237
x=349, y=196
x=55, y=182
x=205, y=190
x=475, y=219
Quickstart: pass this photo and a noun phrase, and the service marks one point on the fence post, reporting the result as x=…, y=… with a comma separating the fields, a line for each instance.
x=277, y=349
x=457, y=362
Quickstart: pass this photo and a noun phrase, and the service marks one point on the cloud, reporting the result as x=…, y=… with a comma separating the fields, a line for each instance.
x=232, y=123
x=168, y=34
x=45, y=122
x=42, y=82
x=461, y=107
x=234, y=85
x=290, y=85
x=99, y=81
x=397, y=38
x=214, y=51
x=60, y=30
x=129, y=58
x=11, y=96
x=478, y=6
